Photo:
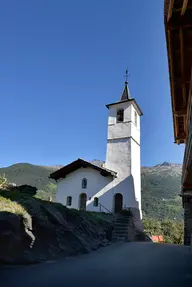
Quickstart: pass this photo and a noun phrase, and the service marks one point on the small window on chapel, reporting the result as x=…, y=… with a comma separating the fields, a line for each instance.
x=96, y=201
x=135, y=118
x=84, y=183
x=69, y=201
x=120, y=115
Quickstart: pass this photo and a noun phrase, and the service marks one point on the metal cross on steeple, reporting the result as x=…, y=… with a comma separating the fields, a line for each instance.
x=126, y=93
x=126, y=77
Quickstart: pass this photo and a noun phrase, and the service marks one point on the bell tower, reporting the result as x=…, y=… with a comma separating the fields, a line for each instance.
x=123, y=147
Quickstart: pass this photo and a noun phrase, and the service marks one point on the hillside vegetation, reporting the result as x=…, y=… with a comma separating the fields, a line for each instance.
x=160, y=191
x=34, y=175
x=160, y=186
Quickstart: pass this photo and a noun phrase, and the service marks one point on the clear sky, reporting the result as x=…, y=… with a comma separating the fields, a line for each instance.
x=62, y=61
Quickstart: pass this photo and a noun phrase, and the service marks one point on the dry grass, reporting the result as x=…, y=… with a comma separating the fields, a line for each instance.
x=11, y=206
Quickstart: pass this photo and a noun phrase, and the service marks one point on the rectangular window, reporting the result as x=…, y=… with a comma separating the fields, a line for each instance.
x=120, y=116
x=135, y=118
x=69, y=201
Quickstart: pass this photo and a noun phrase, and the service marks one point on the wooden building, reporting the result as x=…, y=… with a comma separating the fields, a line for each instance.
x=178, y=29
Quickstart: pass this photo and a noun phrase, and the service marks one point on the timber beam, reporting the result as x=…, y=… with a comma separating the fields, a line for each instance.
x=184, y=7
x=170, y=10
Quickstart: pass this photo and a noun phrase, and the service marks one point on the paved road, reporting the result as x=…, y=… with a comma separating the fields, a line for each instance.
x=126, y=264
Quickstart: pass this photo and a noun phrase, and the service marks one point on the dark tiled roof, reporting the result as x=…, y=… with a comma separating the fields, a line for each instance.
x=61, y=173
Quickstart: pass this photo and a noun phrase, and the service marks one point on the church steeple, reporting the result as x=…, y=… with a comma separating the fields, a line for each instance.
x=126, y=94
x=123, y=147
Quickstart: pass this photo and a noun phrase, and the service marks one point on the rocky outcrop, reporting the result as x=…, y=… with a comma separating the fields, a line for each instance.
x=47, y=231
x=15, y=237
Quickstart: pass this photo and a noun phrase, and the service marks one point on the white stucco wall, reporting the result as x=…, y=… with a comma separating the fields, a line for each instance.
x=124, y=129
x=112, y=112
x=119, y=130
x=123, y=159
x=97, y=186
x=135, y=155
x=118, y=156
x=136, y=171
x=71, y=186
x=133, y=117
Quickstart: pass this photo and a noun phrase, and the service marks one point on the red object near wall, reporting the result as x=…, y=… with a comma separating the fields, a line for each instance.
x=157, y=238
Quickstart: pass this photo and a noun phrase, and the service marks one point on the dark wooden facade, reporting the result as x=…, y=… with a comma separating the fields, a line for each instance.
x=178, y=28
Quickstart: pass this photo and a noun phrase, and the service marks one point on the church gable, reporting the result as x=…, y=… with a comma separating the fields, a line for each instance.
x=79, y=163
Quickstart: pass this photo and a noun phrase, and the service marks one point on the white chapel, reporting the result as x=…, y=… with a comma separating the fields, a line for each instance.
x=116, y=184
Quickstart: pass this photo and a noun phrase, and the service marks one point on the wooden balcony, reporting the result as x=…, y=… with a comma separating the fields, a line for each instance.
x=187, y=162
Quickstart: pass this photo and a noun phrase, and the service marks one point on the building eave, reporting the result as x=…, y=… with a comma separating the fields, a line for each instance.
x=178, y=31
x=62, y=172
x=125, y=101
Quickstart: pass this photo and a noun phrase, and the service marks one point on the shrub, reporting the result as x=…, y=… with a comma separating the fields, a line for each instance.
x=171, y=230
x=126, y=212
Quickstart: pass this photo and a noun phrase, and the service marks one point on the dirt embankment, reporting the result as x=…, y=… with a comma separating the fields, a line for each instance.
x=33, y=230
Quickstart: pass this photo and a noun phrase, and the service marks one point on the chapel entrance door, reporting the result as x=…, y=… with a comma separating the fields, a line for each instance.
x=82, y=201
x=118, y=198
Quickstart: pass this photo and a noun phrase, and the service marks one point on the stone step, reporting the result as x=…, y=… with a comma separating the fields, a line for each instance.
x=118, y=234
x=120, y=228
x=120, y=231
x=123, y=232
x=118, y=238
x=121, y=221
x=122, y=217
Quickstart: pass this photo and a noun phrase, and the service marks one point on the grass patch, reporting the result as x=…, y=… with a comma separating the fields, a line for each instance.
x=11, y=206
x=101, y=218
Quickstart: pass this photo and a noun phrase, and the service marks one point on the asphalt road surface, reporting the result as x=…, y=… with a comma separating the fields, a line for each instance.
x=121, y=264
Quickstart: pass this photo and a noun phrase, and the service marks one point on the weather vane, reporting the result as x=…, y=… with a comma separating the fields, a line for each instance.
x=126, y=75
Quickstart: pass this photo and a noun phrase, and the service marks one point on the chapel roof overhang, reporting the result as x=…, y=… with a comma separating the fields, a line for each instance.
x=62, y=172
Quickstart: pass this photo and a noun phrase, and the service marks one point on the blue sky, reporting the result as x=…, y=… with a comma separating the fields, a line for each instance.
x=62, y=61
